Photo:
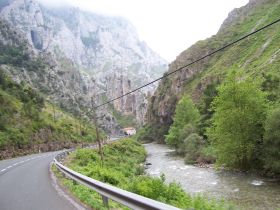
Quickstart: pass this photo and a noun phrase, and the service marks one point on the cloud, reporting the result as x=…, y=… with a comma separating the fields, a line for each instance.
x=56, y=3
x=168, y=26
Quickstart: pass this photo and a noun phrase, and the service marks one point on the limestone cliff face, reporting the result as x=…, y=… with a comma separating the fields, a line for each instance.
x=256, y=55
x=59, y=81
x=90, y=55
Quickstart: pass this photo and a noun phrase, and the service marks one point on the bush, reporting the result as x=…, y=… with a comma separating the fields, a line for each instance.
x=185, y=113
x=271, y=85
x=208, y=155
x=240, y=110
x=152, y=133
x=206, y=112
x=193, y=145
x=122, y=167
x=271, y=152
x=156, y=189
x=183, y=134
x=85, y=156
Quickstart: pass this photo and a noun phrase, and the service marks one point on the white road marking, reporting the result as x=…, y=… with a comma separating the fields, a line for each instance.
x=23, y=161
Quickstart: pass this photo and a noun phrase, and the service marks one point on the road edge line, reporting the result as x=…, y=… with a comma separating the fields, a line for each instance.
x=62, y=191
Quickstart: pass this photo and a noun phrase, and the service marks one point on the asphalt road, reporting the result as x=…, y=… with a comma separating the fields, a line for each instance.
x=26, y=184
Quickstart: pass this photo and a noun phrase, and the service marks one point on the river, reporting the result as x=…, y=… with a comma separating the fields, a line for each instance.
x=246, y=191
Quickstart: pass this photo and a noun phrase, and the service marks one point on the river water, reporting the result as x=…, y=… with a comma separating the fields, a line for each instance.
x=246, y=191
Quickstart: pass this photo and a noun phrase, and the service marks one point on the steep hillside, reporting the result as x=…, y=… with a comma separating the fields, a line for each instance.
x=28, y=123
x=90, y=56
x=257, y=56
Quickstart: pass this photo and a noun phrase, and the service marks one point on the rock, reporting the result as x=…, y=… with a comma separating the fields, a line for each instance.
x=194, y=79
x=257, y=182
x=37, y=40
x=87, y=55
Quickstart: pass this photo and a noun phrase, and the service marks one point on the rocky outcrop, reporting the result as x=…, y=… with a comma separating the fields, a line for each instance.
x=90, y=56
x=250, y=55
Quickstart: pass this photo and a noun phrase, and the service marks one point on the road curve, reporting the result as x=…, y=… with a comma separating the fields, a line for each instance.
x=26, y=184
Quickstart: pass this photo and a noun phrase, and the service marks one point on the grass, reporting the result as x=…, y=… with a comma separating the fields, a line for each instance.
x=85, y=195
x=123, y=167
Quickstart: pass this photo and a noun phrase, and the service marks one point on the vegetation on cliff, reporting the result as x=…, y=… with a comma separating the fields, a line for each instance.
x=233, y=114
x=271, y=141
x=239, y=128
x=28, y=123
x=19, y=57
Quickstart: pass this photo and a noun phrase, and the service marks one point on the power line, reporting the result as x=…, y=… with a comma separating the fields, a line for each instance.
x=189, y=64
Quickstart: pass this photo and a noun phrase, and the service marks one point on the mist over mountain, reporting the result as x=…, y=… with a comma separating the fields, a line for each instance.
x=87, y=57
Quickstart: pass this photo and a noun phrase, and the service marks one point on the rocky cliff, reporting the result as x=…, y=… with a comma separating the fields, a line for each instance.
x=88, y=57
x=257, y=55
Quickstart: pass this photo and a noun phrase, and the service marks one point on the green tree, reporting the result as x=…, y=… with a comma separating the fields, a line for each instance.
x=185, y=113
x=271, y=85
x=271, y=151
x=206, y=112
x=237, y=129
x=193, y=145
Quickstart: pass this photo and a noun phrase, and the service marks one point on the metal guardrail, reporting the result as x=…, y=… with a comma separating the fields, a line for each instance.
x=107, y=191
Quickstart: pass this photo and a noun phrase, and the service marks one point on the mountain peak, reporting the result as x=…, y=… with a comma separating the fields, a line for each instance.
x=94, y=47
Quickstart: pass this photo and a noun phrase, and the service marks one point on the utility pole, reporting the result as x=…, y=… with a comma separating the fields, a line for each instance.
x=53, y=112
x=80, y=123
x=53, y=108
x=100, y=150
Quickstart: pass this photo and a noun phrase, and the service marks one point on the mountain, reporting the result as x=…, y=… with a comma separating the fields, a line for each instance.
x=88, y=58
x=257, y=56
x=30, y=124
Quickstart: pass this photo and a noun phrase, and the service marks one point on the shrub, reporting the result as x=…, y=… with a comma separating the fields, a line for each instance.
x=271, y=144
x=122, y=167
x=183, y=134
x=185, y=113
x=240, y=109
x=193, y=145
x=156, y=189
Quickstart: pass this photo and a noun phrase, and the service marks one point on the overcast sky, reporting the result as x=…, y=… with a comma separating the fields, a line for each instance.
x=167, y=26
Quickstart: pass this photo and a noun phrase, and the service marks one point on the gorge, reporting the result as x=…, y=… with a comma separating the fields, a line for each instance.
x=86, y=56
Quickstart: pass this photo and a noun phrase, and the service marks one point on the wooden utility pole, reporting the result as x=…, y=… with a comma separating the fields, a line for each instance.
x=50, y=100
x=80, y=123
x=53, y=112
x=100, y=150
x=99, y=141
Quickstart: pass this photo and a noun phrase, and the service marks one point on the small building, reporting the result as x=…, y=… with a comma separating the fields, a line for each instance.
x=129, y=131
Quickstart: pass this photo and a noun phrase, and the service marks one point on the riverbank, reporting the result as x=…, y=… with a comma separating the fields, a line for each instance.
x=247, y=191
x=123, y=167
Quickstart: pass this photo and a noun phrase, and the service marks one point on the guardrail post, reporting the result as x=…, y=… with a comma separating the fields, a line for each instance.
x=105, y=201
x=131, y=200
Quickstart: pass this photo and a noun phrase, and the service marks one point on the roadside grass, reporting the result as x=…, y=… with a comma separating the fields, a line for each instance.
x=88, y=197
x=123, y=168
